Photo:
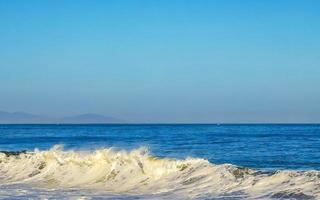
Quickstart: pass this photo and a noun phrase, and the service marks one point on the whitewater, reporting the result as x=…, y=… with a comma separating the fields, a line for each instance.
x=118, y=174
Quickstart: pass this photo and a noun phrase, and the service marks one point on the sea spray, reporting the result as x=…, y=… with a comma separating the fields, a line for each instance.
x=137, y=172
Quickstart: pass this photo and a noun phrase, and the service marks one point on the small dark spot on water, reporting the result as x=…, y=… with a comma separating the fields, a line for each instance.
x=13, y=153
x=42, y=165
x=291, y=195
x=145, y=180
x=193, y=180
x=34, y=173
x=182, y=167
x=241, y=172
x=141, y=166
x=112, y=175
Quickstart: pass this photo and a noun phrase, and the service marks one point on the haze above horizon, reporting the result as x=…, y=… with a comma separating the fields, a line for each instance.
x=162, y=61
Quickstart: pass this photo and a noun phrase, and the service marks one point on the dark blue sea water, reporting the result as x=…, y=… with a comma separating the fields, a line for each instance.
x=255, y=146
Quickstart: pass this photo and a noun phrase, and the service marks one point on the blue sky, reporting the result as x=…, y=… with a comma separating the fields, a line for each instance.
x=162, y=61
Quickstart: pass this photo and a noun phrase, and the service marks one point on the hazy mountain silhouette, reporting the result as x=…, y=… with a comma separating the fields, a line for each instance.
x=90, y=118
x=28, y=118
x=22, y=117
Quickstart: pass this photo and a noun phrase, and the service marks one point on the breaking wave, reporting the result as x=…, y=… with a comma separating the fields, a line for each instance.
x=137, y=172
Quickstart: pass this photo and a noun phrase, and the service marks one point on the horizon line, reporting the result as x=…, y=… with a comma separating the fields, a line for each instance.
x=174, y=123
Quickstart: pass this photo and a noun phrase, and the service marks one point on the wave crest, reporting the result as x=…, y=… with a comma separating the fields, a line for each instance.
x=139, y=172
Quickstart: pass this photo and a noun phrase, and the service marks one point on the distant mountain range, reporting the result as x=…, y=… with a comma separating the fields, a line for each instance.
x=27, y=118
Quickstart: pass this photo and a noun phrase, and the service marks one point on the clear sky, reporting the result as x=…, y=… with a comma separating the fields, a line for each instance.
x=162, y=61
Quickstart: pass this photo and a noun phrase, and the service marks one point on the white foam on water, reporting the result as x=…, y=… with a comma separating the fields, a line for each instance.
x=108, y=173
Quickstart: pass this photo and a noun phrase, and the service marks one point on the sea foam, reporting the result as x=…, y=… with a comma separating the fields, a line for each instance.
x=137, y=172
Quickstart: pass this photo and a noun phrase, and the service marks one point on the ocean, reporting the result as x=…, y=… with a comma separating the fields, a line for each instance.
x=160, y=161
